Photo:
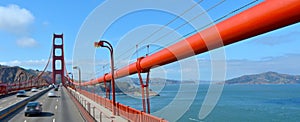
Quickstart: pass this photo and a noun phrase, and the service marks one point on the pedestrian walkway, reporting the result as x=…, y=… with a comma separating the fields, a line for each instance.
x=99, y=112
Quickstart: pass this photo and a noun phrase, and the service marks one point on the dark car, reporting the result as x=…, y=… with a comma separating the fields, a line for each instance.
x=33, y=108
x=56, y=87
x=21, y=93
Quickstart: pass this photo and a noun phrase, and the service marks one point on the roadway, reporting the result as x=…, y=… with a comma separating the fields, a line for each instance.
x=60, y=109
x=10, y=100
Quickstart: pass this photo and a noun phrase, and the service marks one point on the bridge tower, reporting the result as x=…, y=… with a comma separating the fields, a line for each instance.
x=58, y=62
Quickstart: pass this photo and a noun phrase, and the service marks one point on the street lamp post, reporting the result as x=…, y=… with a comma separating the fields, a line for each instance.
x=79, y=73
x=101, y=44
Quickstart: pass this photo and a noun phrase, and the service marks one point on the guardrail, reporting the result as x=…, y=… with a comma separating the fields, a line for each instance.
x=11, y=109
x=6, y=90
x=124, y=111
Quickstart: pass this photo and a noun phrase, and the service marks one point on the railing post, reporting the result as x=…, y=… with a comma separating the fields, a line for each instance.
x=89, y=107
x=118, y=108
x=100, y=118
x=81, y=100
x=141, y=118
x=127, y=111
x=94, y=112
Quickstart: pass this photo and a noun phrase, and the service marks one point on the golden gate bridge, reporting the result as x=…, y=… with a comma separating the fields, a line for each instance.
x=262, y=18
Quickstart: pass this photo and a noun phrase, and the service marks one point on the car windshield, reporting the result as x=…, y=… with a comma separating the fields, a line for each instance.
x=21, y=91
x=32, y=104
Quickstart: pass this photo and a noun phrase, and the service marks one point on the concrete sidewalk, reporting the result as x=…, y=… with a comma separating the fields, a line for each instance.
x=99, y=112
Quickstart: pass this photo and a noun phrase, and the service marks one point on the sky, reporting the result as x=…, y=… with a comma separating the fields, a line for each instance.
x=27, y=27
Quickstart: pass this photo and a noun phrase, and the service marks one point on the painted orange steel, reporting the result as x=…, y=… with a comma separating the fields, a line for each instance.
x=264, y=17
x=56, y=70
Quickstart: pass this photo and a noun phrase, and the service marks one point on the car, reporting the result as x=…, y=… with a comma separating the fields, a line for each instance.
x=34, y=89
x=51, y=94
x=55, y=87
x=33, y=108
x=21, y=93
x=50, y=86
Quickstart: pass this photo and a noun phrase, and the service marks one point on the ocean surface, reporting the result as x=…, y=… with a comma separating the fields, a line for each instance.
x=238, y=103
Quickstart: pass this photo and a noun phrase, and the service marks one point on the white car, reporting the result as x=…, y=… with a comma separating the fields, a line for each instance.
x=34, y=89
x=21, y=93
x=51, y=94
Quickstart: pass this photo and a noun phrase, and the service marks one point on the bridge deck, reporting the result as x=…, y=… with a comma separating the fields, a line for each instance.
x=57, y=109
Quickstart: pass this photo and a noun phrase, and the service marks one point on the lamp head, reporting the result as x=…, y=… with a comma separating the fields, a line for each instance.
x=99, y=44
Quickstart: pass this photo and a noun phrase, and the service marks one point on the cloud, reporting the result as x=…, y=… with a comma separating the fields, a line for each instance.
x=15, y=19
x=11, y=63
x=25, y=63
x=276, y=39
x=288, y=63
x=33, y=64
x=45, y=23
x=27, y=42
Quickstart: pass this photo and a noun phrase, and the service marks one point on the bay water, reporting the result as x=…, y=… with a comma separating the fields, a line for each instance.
x=238, y=103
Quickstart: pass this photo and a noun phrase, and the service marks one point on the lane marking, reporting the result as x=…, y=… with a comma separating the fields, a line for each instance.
x=55, y=107
x=24, y=120
x=56, y=100
x=53, y=120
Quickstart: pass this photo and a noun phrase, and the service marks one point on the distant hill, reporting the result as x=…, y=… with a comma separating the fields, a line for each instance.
x=266, y=78
x=13, y=74
x=157, y=81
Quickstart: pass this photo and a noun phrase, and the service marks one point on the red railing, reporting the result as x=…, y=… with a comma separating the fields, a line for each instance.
x=12, y=88
x=124, y=111
x=3, y=89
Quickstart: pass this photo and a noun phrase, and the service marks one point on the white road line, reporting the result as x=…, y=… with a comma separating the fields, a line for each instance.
x=53, y=120
x=55, y=107
x=24, y=120
x=56, y=100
